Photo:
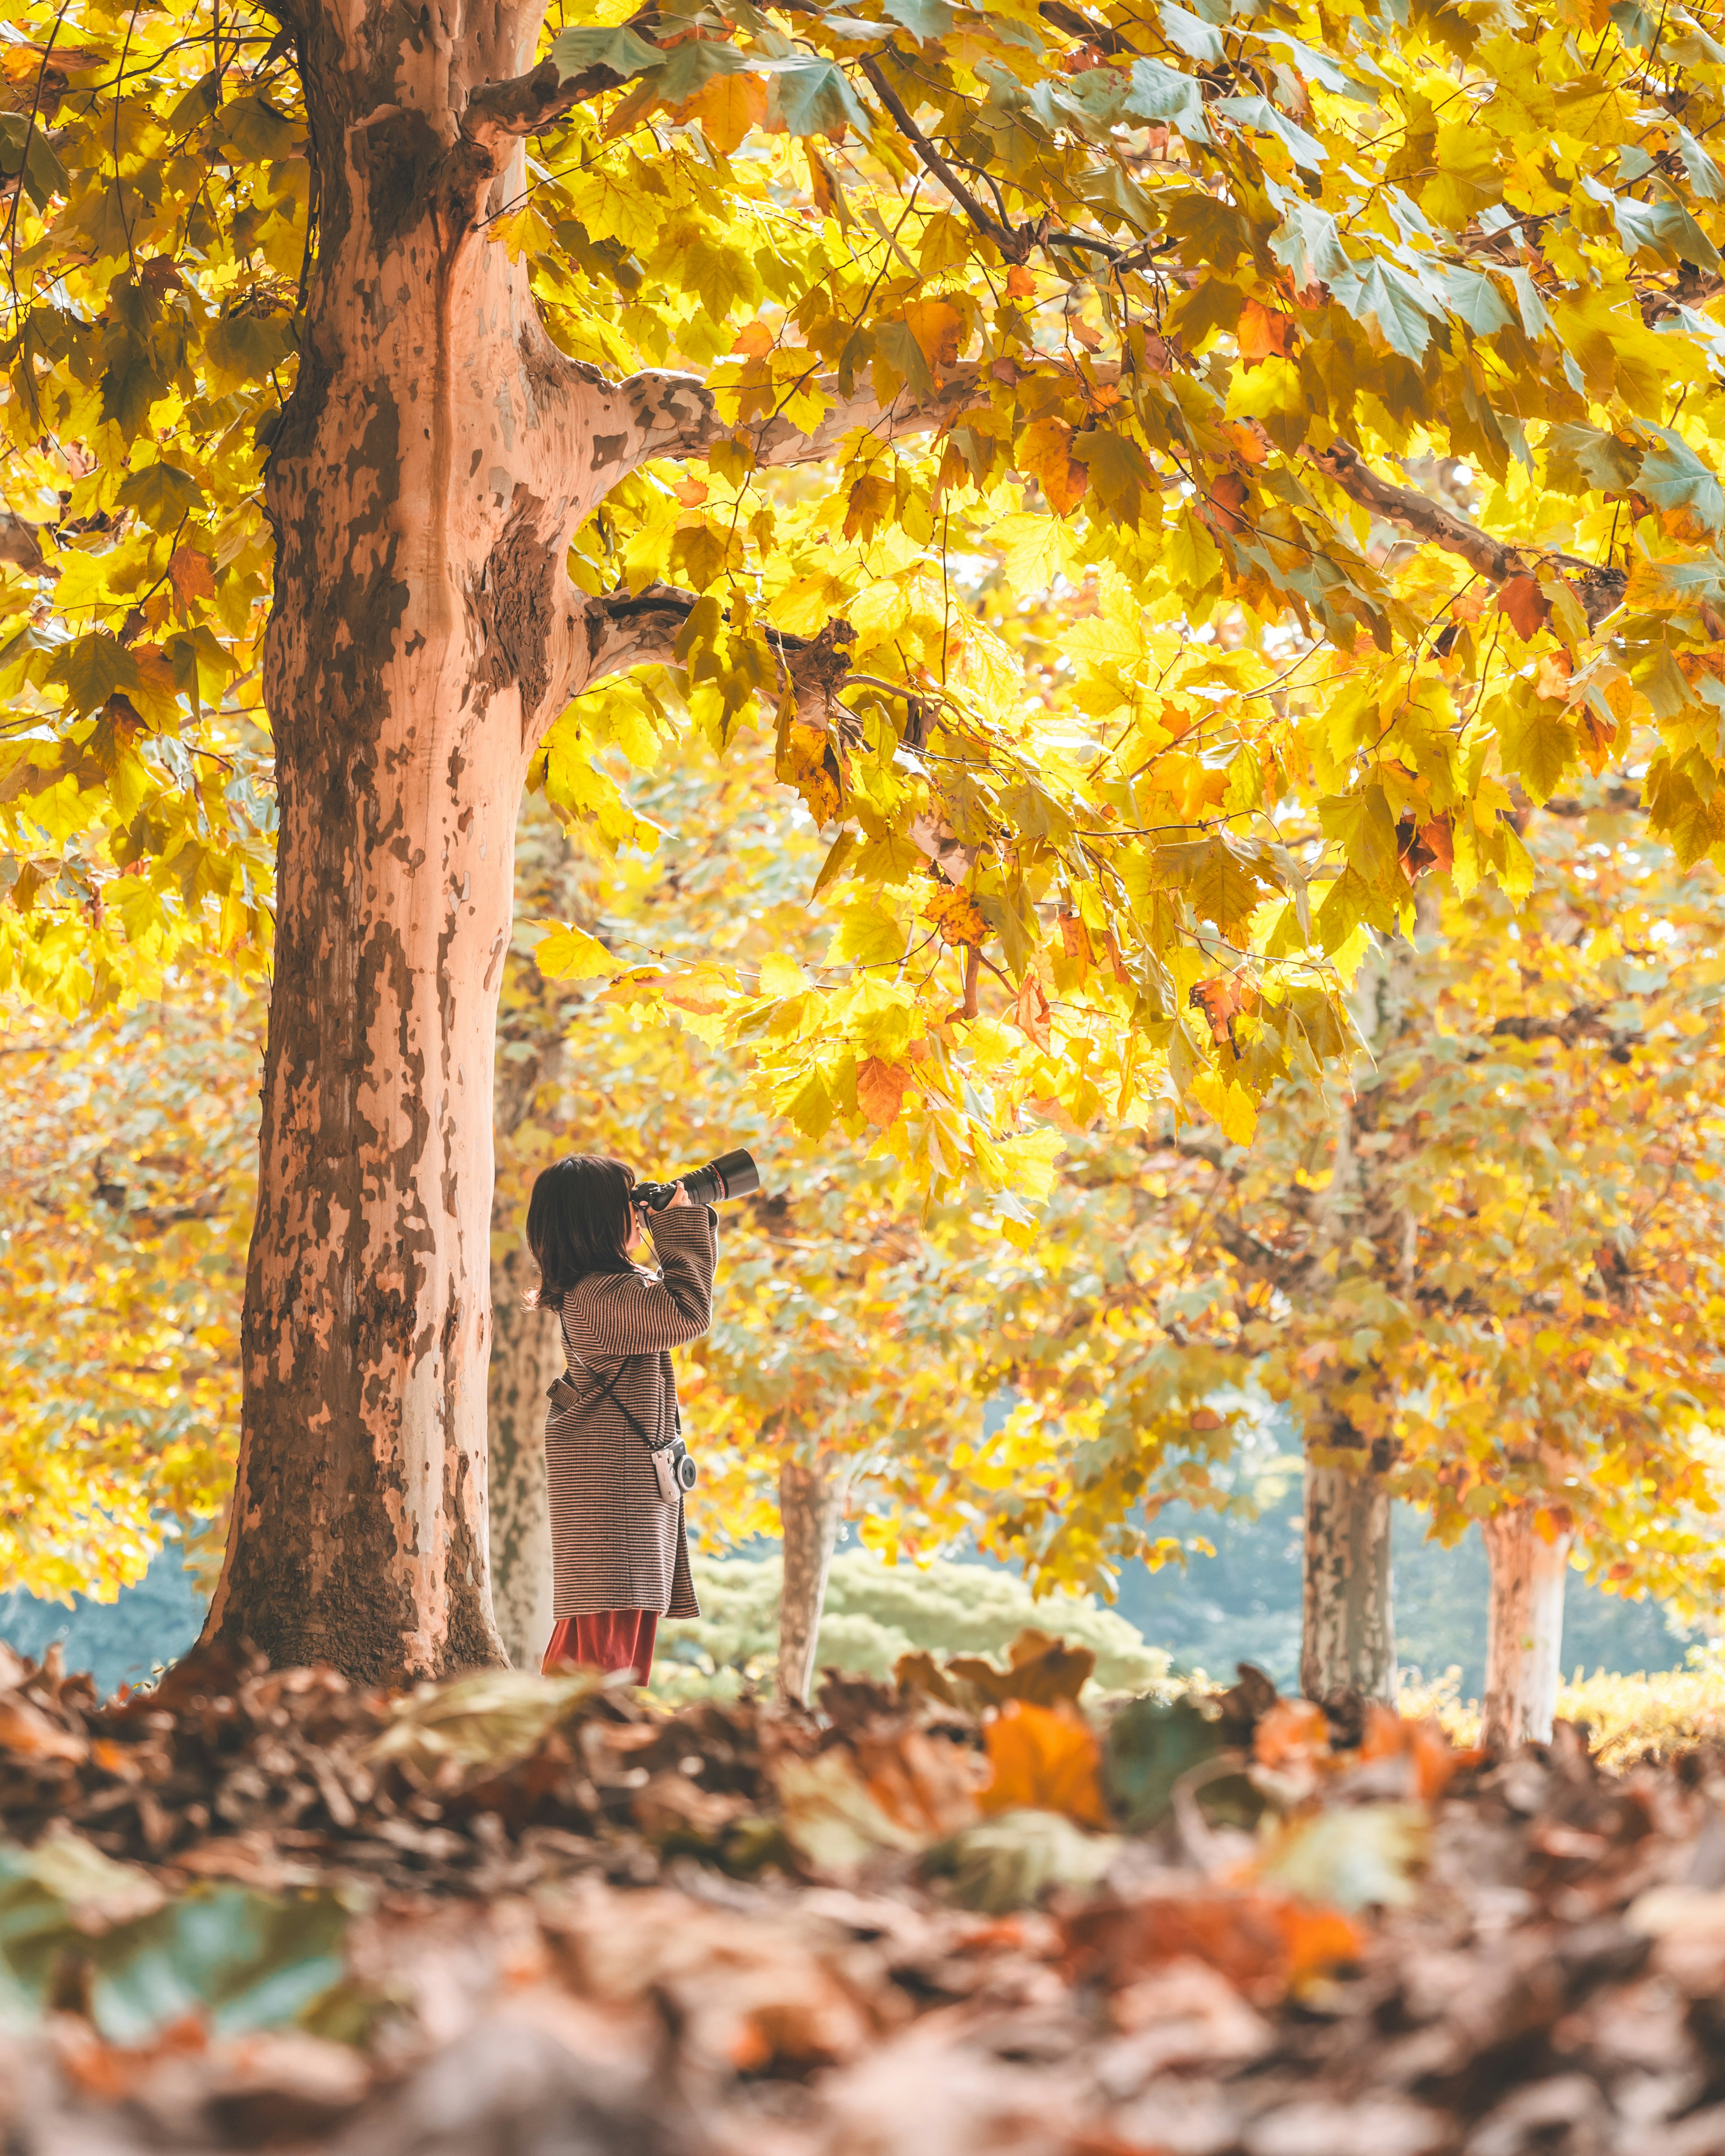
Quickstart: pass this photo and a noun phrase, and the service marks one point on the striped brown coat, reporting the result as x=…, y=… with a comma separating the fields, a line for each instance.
x=615, y=1543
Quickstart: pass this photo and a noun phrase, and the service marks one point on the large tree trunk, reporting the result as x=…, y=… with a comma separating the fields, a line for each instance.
x=811, y=1504
x=1524, y=1645
x=427, y=474
x=1347, y=1641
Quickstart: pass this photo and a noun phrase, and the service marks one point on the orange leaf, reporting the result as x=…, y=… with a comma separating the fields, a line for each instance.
x=1044, y=1758
x=191, y=574
x=938, y=328
x=1263, y=334
x=1523, y=605
x=1020, y=282
x=728, y=107
x=1294, y=1732
x=1044, y=449
x=880, y=1090
x=1315, y=1938
x=1221, y=508
x=702, y=993
x=1075, y=940
x=1032, y=1014
x=954, y=913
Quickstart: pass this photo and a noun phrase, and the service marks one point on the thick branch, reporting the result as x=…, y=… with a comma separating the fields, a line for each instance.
x=680, y=419
x=1415, y=512
x=620, y=629
x=499, y=115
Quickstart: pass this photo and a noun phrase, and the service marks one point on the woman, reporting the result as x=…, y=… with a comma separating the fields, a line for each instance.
x=619, y=1555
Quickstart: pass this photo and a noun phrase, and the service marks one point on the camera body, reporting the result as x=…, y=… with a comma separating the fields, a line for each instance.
x=731, y=1175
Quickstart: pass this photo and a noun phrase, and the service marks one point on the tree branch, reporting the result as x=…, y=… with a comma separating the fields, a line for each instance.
x=678, y=419
x=617, y=630
x=499, y=115
x=1014, y=245
x=1599, y=590
x=1415, y=512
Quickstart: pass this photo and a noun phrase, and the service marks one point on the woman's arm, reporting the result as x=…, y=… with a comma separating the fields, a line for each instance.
x=627, y=1314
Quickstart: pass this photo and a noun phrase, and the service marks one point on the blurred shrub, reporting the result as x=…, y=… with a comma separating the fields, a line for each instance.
x=876, y=1612
x=1658, y=1713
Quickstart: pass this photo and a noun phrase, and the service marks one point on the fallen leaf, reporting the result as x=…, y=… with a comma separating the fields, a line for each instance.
x=1046, y=1757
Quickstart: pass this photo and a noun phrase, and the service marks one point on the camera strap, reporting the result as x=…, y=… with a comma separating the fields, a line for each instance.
x=562, y=1394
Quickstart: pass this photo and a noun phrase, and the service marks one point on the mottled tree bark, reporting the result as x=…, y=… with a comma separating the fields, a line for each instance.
x=811, y=1505
x=427, y=476
x=1347, y=1641
x=1524, y=1645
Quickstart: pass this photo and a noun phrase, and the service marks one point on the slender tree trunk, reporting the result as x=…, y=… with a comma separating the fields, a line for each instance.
x=1347, y=1640
x=526, y=1353
x=811, y=1504
x=525, y=1359
x=1524, y=1646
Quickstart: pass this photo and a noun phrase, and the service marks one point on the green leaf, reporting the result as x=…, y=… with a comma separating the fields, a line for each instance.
x=163, y=494
x=240, y=352
x=1117, y=470
x=1675, y=478
x=1308, y=245
x=925, y=20
x=1398, y=304
x=1191, y=35
x=1259, y=113
x=130, y=386
x=1474, y=296
x=814, y=97
x=1704, y=175
x=1582, y=460
x=1164, y=93
x=692, y=65
x=93, y=669
x=619, y=50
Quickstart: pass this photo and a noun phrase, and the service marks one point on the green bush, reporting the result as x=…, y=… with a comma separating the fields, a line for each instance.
x=876, y=1612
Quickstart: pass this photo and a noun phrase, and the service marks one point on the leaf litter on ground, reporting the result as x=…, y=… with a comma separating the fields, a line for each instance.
x=961, y=1913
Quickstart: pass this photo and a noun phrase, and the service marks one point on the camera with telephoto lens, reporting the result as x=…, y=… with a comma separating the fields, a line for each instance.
x=731, y=1175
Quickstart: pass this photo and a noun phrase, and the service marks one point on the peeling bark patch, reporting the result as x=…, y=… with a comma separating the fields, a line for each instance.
x=512, y=609
x=395, y=155
x=608, y=449
x=665, y=402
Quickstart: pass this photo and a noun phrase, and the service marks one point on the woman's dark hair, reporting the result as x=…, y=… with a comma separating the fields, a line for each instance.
x=578, y=1222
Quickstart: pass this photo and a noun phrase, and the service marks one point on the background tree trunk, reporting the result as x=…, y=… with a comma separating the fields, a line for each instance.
x=525, y=1359
x=1347, y=1641
x=1524, y=1645
x=811, y=1504
x=527, y=1352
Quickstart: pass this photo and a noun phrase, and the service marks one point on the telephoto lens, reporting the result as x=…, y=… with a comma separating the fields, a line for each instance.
x=731, y=1175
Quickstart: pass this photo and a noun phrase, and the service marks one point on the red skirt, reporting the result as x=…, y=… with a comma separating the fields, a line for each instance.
x=604, y=1639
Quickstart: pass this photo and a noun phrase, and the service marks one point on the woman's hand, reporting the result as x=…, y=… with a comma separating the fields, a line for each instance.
x=678, y=1197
